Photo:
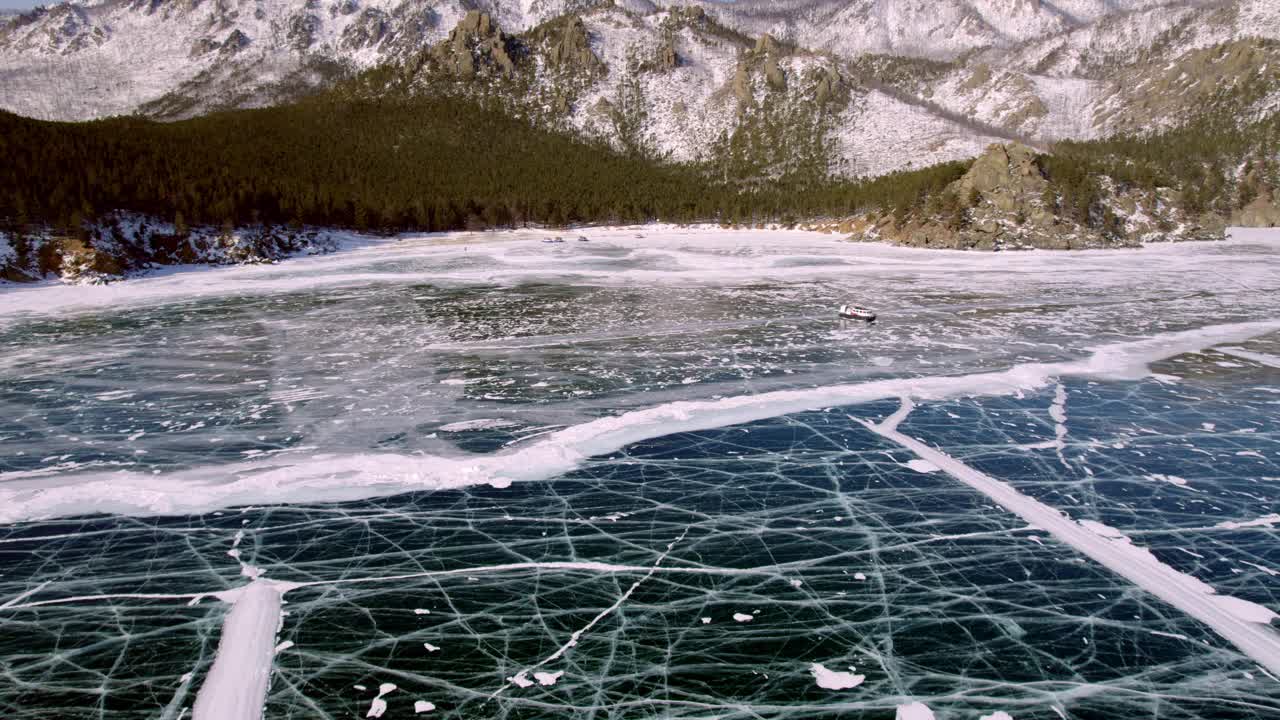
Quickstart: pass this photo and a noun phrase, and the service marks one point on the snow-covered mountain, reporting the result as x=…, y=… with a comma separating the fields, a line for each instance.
x=874, y=85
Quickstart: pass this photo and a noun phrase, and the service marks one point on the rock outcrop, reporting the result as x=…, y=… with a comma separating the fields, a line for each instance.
x=1263, y=211
x=1005, y=201
x=765, y=58
x=476, y=46
x=829, y=86
x=569, y=47
x=667, y=57
x=125, y=245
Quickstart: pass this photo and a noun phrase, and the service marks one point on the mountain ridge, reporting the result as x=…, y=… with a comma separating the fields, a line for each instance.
x=1035, y=72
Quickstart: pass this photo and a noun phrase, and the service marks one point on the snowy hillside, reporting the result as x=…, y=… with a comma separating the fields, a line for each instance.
x=83, y=60
x=880, y=85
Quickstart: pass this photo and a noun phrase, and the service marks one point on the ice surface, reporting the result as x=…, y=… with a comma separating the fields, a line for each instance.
x=296, y=416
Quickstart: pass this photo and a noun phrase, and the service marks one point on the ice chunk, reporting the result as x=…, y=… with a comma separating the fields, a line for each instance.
x=546, y=678
x=835, y=680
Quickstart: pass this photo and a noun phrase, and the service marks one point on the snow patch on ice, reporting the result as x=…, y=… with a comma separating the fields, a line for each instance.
x=834, y=679
x=236, y=686
x=914, y=711
x=379, y=706
x=922, y=466
x=548, y=678
x=1264, y=521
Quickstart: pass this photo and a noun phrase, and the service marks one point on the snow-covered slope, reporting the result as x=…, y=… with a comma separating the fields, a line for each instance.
x=880, y=84
x=82, y=60
x=925, y=28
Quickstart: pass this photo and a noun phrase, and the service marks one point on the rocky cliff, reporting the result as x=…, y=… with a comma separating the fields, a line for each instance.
x=1007, y=200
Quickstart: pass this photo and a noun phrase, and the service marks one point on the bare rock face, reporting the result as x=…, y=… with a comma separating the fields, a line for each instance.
x=742, y=84
x=766, y=45
x=570, y=48
x=829, y=85
x=73, y=259
x=763, y=57
x=667, y=58
x=1263, y=211
x=475, y=46
x=302, y=30
x=768, y=49
x=235, y=42
x=773, y=74
x=1007, y=176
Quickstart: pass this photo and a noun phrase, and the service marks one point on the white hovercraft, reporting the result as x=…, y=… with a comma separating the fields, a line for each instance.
x=853, y=312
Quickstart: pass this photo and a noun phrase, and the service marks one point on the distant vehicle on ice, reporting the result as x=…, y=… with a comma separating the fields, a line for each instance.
x=853, y=312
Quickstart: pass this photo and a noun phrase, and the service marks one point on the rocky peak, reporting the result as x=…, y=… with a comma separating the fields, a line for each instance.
x=764, y=57
x=1005, y=201
x=766, y=45
x=475, y=23
x=569, y=47
x=829, y=85
x=475, y=46
x=1006, y=175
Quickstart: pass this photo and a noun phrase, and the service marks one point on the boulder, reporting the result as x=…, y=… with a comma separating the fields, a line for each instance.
x=203, y=46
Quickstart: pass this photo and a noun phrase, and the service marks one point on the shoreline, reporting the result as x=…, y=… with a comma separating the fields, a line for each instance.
x=693, y=254
x=348, y=241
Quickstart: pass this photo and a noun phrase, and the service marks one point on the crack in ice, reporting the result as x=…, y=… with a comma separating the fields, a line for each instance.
x=1239, y=621
x=521, y=677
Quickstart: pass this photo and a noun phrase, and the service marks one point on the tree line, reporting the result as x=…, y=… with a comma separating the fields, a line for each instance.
x=401, y=163
x=448, y=162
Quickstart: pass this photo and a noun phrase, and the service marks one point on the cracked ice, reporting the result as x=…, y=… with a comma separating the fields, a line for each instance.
x=647, y=478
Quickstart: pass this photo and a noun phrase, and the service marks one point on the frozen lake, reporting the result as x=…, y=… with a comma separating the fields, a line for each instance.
x=651, y=475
